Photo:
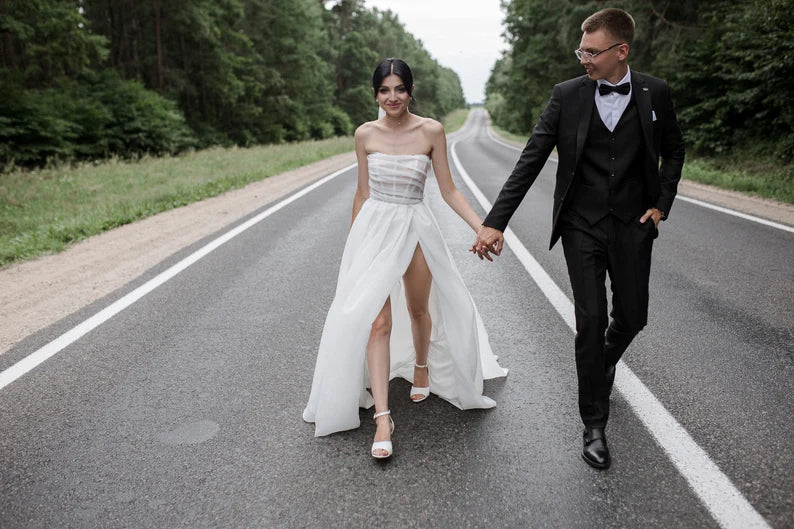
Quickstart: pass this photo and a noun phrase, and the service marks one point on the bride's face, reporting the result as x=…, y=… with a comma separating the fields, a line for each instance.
x=393, y=96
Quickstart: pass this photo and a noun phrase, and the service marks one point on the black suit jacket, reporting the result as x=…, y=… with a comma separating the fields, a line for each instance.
x=565, y=124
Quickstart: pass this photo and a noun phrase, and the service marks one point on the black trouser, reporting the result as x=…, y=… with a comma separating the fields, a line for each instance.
x=623, y=251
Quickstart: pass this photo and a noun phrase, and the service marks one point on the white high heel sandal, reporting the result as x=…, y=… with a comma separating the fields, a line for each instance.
x=424, y=391
x=382, y=445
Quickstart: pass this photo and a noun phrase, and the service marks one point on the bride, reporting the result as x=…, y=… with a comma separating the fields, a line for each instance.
x=401, y=308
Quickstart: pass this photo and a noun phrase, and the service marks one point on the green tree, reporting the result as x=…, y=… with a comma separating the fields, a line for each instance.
x=61, y=102
x=92, y=78
x=721, y=59
x=290, y=36
x=364, y=38
x=734, y=84
x=44, y=41
x=542, y=35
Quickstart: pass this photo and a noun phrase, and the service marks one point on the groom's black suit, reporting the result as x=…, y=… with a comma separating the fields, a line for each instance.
x=606, y=180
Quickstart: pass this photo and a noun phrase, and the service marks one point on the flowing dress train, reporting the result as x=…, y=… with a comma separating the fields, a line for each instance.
x=379, y=247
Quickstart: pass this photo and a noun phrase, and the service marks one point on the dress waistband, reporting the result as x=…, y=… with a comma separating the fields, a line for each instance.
x=393, y=199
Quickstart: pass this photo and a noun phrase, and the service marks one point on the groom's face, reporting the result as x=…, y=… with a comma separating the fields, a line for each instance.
x=607, y=63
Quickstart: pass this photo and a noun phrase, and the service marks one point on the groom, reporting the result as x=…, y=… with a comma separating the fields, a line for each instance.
x=611, y=127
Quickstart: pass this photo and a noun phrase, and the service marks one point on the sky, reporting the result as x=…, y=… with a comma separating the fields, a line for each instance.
x=465, y=35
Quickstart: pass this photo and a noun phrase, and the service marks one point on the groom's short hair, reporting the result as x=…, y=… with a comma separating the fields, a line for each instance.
x=614, y=21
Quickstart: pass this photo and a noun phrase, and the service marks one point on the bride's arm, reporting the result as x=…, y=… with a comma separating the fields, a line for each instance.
x=449, y=192
x=362, y=189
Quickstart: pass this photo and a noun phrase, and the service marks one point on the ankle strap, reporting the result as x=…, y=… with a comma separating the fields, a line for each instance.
x=420, y=366
x=381, y=414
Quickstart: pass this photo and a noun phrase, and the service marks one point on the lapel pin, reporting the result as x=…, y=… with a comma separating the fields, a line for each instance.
x=644, y=89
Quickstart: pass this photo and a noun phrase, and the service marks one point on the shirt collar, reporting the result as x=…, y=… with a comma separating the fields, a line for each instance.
x=626, y=78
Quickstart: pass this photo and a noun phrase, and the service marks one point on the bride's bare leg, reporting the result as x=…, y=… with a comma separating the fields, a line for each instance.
x=417, y=281
x=378, y=362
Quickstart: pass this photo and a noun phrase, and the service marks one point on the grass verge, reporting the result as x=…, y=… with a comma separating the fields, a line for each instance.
x=455, y=119
x=43, y=211
x=745, y=173
x=509, y=135
x=758, y=178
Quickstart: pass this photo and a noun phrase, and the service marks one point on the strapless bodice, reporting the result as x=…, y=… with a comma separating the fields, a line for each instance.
x=397, y=178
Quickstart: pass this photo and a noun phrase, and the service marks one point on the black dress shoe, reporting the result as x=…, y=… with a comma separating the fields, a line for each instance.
x=595, y=451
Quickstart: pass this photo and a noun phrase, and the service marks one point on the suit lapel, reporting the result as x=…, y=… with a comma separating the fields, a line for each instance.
x=586, y=102
x=642, y=98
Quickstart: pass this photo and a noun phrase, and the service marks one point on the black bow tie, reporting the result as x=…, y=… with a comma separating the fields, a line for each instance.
x=624, y=88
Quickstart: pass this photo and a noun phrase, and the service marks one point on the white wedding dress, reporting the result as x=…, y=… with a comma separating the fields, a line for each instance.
x=380, y=245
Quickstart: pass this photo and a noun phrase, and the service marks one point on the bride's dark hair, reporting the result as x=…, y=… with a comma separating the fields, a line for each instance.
x=397, y=67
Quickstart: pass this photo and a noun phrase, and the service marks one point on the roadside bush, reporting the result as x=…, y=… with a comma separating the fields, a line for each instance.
x=142, y=122
x=95, y=117
x=32, y=127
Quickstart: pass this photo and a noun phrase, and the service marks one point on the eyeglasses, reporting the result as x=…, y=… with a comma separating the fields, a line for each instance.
x=586, y=55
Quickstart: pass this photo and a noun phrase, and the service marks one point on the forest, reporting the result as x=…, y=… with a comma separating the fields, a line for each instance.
x=730, y=66
x=92, y=79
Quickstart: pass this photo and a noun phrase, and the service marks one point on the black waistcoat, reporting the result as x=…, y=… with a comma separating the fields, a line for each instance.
x=610, y=179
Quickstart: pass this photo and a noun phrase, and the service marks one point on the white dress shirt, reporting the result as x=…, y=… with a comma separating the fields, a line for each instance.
x=612, y=105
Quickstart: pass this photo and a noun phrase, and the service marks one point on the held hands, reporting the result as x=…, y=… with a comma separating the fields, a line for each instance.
x=654, y=214
x=488, y=240
x=492, y=240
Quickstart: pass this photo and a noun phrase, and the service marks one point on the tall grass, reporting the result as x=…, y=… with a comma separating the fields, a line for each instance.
x=455, y=119
x=520, y=138
x=767, y=180
x=44, y=211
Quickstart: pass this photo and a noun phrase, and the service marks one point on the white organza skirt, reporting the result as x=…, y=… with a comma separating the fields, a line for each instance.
x=379, y=248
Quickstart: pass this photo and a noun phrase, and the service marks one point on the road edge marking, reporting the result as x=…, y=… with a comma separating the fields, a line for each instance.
x=36, y=358
x=733, y=212
x=726, y=504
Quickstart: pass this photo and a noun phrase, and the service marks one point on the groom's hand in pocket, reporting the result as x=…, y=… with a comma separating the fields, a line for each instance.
x=489, y=240
x=653, y=214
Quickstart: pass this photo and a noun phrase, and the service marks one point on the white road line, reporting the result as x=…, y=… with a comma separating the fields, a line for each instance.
x=735, y=213
x=723, y=500
x=39, y=356
x=721, y=209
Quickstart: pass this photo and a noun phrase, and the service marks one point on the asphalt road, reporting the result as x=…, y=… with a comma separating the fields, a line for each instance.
x=184, y=409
